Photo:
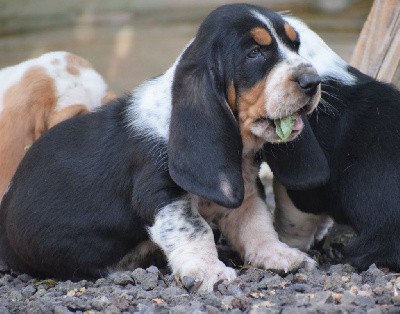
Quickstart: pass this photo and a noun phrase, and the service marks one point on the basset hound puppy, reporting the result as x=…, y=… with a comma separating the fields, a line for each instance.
x=39, y=93
x=178, y=152
x=357, y=127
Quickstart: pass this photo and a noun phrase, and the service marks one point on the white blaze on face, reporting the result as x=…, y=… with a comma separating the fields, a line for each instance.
x=327, y=63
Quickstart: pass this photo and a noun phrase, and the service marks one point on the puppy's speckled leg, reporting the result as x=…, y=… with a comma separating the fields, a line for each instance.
x=188, y=243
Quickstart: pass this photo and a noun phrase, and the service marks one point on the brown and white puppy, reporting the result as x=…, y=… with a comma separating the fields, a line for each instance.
x=39, y=93
x=179, y=152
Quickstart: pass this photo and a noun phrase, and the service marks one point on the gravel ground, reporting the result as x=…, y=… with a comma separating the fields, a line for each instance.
x=330, y=288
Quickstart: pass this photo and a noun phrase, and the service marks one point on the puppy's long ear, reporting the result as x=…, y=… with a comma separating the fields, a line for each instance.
x=204, y=147
x=300, y=164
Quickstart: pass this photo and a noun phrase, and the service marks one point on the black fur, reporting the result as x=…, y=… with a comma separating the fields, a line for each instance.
x=204, y=144
x=360, y=135
x=80, y=199
x=298, y=166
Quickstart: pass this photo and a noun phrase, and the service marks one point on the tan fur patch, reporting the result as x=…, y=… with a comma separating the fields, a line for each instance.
x=73, y=70
x=251, y=108
x=27, y=105
x=231, y=97
x=261, y=36
x=290, y=32
x=66, y=113
x=74, y=60
x=110, y=95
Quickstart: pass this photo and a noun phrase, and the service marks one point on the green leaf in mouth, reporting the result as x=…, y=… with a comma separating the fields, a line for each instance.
x=284, y=127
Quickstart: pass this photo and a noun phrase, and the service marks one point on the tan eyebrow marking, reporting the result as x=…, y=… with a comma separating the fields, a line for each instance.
x=261, y=36
x=290, y=32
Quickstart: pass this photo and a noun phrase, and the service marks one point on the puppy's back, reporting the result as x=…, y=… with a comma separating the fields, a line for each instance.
x=39, y=93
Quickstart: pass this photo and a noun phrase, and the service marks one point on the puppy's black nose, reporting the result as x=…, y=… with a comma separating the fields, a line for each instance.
x=308, y=83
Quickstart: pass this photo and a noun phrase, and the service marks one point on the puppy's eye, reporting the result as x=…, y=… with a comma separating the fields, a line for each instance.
x=254, y=53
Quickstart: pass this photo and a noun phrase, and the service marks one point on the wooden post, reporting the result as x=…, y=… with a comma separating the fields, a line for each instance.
x=377, y=52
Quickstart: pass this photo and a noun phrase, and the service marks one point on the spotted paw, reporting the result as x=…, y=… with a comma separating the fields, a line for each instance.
x=203, y=275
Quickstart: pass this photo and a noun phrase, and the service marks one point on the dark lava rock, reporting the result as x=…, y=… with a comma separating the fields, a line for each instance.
x=148, y=280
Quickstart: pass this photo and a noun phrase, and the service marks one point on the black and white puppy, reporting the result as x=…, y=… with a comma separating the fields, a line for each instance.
x=357, y=127
x=92, y=190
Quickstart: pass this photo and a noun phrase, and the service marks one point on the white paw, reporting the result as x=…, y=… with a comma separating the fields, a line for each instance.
x=205, y=275
x=279, y=257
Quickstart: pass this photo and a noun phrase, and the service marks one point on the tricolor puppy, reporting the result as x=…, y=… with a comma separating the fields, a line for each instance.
x=357, y=127
x=92, y=190
x=39, y=93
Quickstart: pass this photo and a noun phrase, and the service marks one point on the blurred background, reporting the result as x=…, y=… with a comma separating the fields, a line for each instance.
x=129, y=41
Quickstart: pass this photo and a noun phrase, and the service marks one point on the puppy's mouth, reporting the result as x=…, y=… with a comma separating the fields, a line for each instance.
x=282, y=129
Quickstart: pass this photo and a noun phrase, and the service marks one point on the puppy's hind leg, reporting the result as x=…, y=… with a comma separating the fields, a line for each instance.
x=379, y=247
x=188, y=242
x=369, y=203
x=296, y=228
x=145, y=254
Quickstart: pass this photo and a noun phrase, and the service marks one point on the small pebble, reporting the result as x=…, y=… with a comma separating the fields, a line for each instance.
x=122, y=278
x=370, y=275
x=61, y=310
x=112, y=309
x=171, y=292
x=24, y=277
x=153, y=270
x=4, y=310
x=148, y=280
x=100, y=303
x=396, y=300
x=321, y=297
x=188, y=282
x=300, y=278
x=28, y=291
x=300, y=287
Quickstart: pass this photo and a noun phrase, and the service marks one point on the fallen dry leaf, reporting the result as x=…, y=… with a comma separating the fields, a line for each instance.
x=159, y=301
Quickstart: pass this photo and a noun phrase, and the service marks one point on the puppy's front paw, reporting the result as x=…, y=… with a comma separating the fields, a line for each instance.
x=205, y=275
x=279, y=257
